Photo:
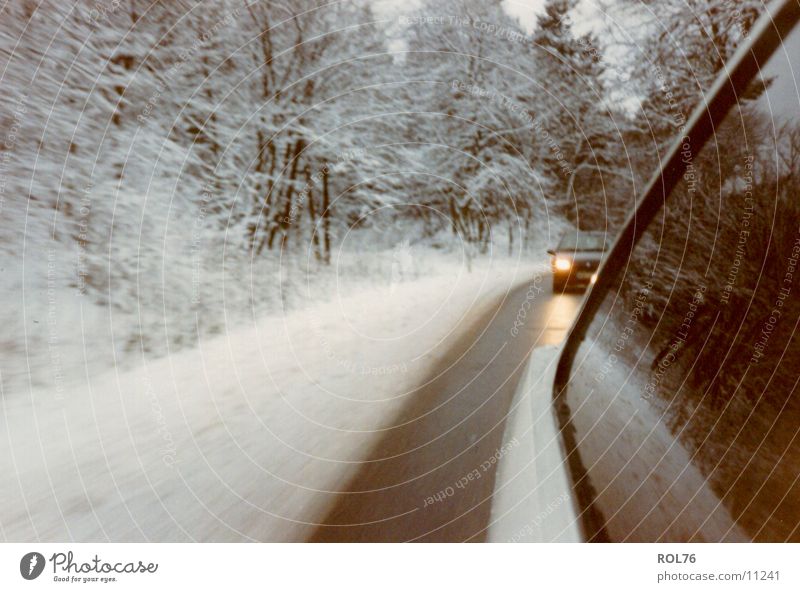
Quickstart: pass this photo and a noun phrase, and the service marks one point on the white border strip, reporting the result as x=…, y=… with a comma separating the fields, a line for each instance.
x=533, y=500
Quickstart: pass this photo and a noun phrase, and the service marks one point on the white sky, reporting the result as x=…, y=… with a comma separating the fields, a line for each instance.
x=524, y=10
x=587, y=15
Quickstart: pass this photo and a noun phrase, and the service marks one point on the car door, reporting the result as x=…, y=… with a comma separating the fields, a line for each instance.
x=677, y=390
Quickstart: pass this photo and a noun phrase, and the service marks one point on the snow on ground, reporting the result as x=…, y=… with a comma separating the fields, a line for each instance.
x=241, y=438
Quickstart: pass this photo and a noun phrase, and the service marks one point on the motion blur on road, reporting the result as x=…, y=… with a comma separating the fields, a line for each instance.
x=344, y=426
x=431, y=476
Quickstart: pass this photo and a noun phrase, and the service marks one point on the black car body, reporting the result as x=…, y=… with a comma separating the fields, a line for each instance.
x=575, y=260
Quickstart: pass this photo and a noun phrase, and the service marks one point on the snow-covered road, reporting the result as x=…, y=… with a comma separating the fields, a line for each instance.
x=252, y=435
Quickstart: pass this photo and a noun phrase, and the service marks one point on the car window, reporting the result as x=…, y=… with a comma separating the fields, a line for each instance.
x=582, y=241
x=683, y=395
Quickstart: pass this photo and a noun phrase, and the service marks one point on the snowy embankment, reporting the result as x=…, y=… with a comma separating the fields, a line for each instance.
x=242, y=438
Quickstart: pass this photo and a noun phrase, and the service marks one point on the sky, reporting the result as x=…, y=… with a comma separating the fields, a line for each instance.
x=587, y=15
x=525, y=11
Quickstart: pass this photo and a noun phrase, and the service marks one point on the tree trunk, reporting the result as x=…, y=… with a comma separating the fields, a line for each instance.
x=312, y=213
x=326, y=216
x=282, y=221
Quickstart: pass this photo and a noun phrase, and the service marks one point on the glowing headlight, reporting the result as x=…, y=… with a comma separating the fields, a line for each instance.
x=594, y=278
x=563, y=264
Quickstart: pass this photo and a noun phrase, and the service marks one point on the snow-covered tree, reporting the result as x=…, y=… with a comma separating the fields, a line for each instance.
x=580, y=134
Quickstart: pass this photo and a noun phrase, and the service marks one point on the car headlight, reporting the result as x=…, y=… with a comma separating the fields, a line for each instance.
x=563, y=264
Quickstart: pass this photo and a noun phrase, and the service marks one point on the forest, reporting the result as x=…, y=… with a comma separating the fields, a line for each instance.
x=172, y=168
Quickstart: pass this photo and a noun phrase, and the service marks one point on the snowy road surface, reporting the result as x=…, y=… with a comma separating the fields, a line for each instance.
x=344, y=421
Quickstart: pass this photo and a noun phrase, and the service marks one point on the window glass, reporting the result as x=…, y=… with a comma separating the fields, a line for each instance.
x=583, y=241
x=684, y=394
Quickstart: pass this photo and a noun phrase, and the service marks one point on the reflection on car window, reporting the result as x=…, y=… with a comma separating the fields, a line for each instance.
x=583, y=241
x=684, y=393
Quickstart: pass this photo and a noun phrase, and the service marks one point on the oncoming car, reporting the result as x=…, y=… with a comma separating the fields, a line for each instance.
x=575, y=260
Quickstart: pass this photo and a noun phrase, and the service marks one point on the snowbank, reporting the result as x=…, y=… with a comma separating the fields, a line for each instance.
x=244, y=437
